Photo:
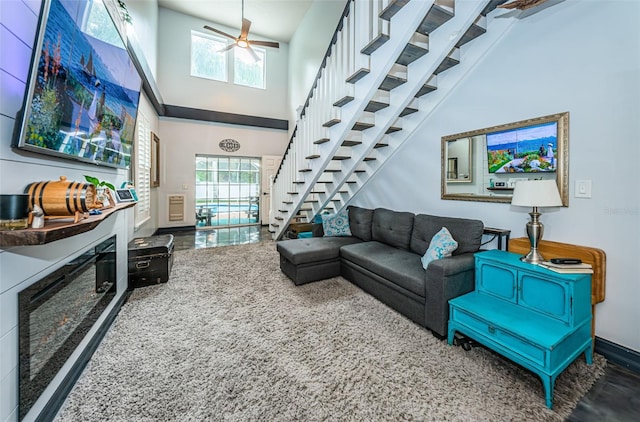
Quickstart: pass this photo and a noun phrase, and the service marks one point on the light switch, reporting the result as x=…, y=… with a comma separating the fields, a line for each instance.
x=185, y=187
x=583, y=189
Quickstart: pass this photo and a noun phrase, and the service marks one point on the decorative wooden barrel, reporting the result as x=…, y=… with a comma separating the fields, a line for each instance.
x=61, y=198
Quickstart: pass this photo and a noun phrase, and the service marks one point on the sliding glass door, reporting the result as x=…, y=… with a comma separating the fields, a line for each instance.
x=227, y=191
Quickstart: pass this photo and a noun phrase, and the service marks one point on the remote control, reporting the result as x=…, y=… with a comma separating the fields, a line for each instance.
x=566, y=260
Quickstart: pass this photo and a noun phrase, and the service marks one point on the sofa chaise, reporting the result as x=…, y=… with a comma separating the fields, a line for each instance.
x=383, y=252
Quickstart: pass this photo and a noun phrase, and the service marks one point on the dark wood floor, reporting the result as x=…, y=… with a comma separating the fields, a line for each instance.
x=615, y=397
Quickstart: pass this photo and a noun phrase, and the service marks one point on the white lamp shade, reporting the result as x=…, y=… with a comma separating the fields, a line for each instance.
x=536, y=193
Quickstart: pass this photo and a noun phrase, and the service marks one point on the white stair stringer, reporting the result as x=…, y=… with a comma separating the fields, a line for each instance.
x=402, y=28
x=442, y=41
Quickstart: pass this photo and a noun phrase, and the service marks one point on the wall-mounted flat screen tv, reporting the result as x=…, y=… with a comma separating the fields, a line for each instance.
x=83, y=91
x=527, y=149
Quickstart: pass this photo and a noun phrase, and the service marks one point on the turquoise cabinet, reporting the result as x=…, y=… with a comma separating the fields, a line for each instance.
x=538, y=318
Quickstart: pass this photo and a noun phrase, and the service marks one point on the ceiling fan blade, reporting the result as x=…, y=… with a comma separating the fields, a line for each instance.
x=265, y=43
x=253, y=54
x=227, y=48
x=246, y=24
x=217, y=31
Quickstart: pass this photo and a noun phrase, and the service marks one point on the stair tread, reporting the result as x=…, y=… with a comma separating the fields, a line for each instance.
x=376, y=43
x=447, y=63
x=340, y=157
x=407, y=111
x=392, y=9
x=425, y=89
x=359, y=74
x=312, y=156
x=472, y=33
x=321, y=141
x=349, y=143
x=374, y=106
x=343, y=101
x=411, y=53
x=393, y=129
x=331, y=122
x=362, y=126
x=435, y=17
x=390, y=82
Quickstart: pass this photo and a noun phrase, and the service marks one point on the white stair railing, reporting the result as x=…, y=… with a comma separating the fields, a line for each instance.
x=321, y=120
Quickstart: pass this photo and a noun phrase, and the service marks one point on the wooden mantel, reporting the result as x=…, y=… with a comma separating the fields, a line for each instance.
x=57, y=229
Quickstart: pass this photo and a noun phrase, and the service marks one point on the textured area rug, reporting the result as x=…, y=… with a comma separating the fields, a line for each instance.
x=231, y=338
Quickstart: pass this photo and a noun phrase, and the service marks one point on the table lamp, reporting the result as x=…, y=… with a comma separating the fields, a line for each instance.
x=536, y=194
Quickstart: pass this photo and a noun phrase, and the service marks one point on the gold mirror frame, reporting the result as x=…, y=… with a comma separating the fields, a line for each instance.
x=479, y=177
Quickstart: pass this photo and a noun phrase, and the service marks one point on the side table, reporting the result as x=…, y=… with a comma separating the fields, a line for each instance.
x=536, y=317
x=499, y=233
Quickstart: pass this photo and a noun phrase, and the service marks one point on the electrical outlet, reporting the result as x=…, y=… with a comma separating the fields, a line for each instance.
x=583, y=189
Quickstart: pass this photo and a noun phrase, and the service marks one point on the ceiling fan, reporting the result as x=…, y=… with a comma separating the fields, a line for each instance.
x=241, y=41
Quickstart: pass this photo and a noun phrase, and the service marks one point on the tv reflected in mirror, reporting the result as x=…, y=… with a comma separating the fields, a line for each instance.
x=83, y=90
x=528, y=149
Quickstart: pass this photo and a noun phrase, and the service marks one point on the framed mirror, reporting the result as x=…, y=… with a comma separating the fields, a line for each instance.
x=485, y=164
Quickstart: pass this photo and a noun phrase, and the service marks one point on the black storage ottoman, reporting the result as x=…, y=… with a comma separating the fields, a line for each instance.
x=150, y=260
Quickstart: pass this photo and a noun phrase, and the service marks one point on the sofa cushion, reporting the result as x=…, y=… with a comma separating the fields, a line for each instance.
x=393, y=228
x=336, y=224
x=303, y=251
x=399, y=266
x=467, y=232
x=442, y=245
x=360, y=220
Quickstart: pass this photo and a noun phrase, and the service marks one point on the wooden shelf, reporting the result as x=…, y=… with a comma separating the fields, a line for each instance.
x=501, y=189
x=57, y=229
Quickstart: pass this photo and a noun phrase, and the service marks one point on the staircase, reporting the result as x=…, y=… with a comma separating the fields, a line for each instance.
x=390, y=64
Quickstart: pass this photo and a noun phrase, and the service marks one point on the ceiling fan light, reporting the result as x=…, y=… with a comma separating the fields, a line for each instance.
x=243, y=43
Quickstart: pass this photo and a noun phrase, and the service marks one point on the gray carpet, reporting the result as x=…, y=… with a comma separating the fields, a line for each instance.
x=231, y=338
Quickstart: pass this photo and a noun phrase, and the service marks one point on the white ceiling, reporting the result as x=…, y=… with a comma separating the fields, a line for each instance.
x=273, y=19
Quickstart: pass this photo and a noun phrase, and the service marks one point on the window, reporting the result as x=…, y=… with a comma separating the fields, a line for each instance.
x=246, y=70
x=210, y=62
x=143, y=171
x=207, y=61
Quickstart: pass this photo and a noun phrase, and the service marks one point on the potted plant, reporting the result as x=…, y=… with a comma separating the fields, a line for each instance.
x=103, y=197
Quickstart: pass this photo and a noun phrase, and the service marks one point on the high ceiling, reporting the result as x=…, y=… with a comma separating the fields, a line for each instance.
x=272, y=19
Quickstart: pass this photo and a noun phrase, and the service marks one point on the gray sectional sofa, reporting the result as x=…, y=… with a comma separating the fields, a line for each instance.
x=383, y=257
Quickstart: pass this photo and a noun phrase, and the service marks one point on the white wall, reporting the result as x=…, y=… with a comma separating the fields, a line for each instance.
x=577, y=56
x=181, y=89
x=307, y=49
x=181, y=140
x=144, y=14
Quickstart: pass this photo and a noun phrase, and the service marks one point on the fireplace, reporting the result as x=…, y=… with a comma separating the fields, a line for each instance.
x=55, y=314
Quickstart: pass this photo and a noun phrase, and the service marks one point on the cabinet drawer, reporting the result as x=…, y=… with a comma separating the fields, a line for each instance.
x=515, y=346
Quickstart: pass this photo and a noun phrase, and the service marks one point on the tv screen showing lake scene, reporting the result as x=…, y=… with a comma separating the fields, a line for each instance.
x=528, y=149
x=83, y=91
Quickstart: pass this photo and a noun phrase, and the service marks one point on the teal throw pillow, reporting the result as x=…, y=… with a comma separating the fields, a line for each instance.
x=442, y=245
x=336, y=224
